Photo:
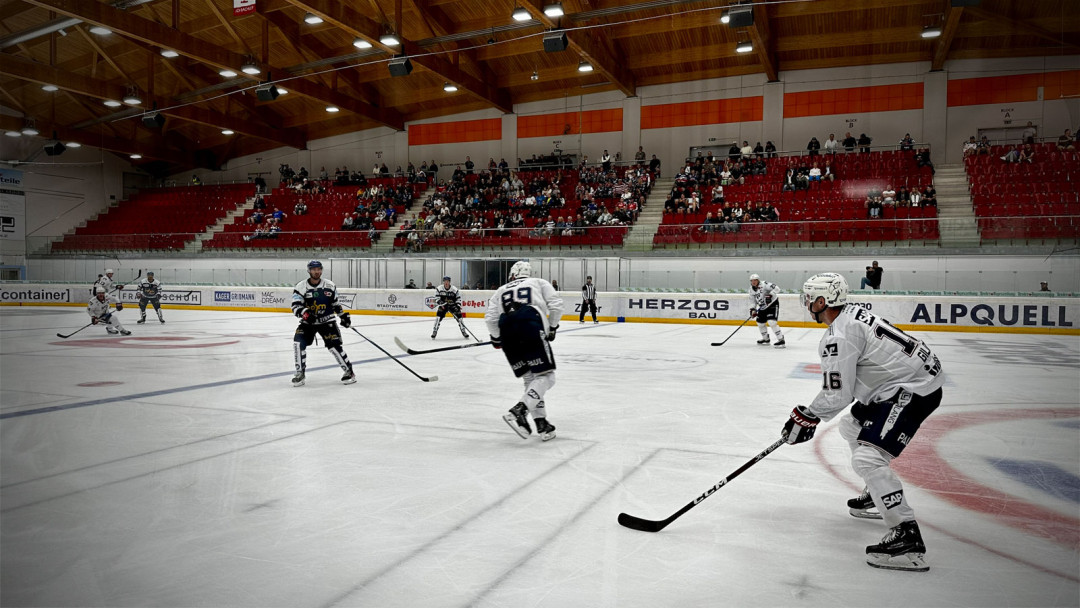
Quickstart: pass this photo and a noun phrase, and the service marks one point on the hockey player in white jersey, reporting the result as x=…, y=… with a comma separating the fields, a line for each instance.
x=895, y=382
x=149, y=293
x=522, y=318
x=106, y=282
x=98, y=309
x=765, y=305
x=314, y=302
x=449, y=302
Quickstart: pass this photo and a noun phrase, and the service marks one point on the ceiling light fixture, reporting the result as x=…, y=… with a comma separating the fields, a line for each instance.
x=520, y=14
x=389, y=39
x=931, y=31
x=100, y=31
x=50, y=87
x=169, y=53
x=30, y=128
x=12, y=133
x=281, y=91
x=132, y=98
x=135, y=156
x=554, y=9
x=73, y=144
x=535, y=75
x=332, y=109
x=724, y=16
x=584, y=66
x=312, y=19
x=250, y=67
x=744, y=47
x=360, y=43
x=112, y=103
x=449, y=87
x=227, y=73
x=227, y=132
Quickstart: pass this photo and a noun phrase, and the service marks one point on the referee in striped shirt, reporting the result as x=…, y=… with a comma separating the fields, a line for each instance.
x=588, y=300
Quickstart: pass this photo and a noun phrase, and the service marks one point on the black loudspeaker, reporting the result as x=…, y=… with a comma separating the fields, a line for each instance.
x=963, y=3
x=55, y=149
x=153, y=121
x=400, y=66
x=267, y=92
x=741, y=16
x=555, y=42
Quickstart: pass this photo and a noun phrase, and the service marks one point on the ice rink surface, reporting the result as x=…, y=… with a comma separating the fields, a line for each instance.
x=178, y=467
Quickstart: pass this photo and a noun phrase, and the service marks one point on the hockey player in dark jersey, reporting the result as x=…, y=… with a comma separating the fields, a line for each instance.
x=314, y=302
x=149, y=293
x=449, y=302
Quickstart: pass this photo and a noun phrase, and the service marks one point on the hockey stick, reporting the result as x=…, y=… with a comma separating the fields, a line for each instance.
x=402, y=346
x=732, y=333
x=74, y=332
x=462, y=324
x=425, y=379
x=648, y=525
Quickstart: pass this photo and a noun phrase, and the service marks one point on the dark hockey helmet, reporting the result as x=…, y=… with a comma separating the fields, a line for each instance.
x=446, y=278
x=314, y=264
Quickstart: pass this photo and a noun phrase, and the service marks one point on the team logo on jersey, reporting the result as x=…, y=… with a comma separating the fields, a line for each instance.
x=892, y=500
x=831, y=350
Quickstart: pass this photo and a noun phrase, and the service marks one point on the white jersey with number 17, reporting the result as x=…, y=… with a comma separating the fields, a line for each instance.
x=532, y=291
x=864, y=357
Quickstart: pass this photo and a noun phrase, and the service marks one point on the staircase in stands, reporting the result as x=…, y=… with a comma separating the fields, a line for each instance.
x=640, y=237
x=956, y=216
x=197, y=245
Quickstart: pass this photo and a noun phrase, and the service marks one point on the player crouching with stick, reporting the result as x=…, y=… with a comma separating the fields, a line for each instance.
x=895, y=381
x=98, y=309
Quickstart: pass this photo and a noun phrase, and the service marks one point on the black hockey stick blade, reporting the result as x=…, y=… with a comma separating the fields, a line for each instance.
x=732, y=334
x=74, y=332
x=424, y=378
x=411, y=351
x=647, y=525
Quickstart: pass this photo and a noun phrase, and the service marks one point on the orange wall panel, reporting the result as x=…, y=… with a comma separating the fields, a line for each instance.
x=711, y=112
x=1012, y=89
x=857, y=100
x=570, y=123
x=455, y=132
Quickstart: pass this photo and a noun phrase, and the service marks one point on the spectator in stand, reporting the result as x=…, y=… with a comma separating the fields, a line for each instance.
x=1013, y=156
x=789, y=180
x=759, y=151
x=815, y=173
x=929, y=196
x=907, y=143
x=260, y=203
x=347, y=223
x=915, y=197
x=888, y=196
x=1028, y=136
x=745, y=151
x=864, y=142
x=711, y=223
x=903, y=197
x=1044, y=286
x=873, y=277
x=300, y=208
x=831, y=144
x=384, y=171
x=323, y=174
x=984, y=145
x=873, y=207
x=718, y=194
x=849, y=142
x=1065, y=141
x=654, y=166
x=813, y=146
x=1027, y=153
x=733, y=153
x=827, y=172
x=469, y=165
x=922, y=159
x=605, y=161
x=970, y=147
x=279, y=215
x=639, y=156
x=260, y=184
x=375, y=170
x=770, y=149
x=195, y=181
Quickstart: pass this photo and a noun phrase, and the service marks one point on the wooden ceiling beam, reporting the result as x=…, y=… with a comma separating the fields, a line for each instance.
x=154, y=33
x=98, y=140
x=759, y=35
x=941, y=49
x=587, y=44
x=1031, y=30
x=43, y=74
x=359, y=25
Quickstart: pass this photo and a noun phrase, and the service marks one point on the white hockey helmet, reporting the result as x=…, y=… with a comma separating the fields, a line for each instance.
x=109, y=271
x=832, y=286
x=755, y=277
x=99, y=290
x=521, y=270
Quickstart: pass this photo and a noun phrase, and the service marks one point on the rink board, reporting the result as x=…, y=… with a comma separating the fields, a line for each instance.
x=988, y=314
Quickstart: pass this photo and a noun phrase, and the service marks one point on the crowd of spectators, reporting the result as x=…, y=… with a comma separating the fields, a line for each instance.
x=877, y=199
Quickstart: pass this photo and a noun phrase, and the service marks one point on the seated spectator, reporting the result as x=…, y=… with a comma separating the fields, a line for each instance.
x=903, y=197
x=770, y=149
x=929, y=196
x=907, y=143
x=1013, y=156
x=970, y=147
x=922, y=159
x=1066, y=142
x=864, y=143
x=279, y=215
x=260, y=203
x=827, y=172
x=915, y=197
x=711, y=223
x=195, y=181
x=300, y=208
x=789, y=180
x=831, y=144
x=813, y=146
x=1027, y=154
x=849, y=142
x=411, y=284
x=725, y=176
x=888, y=196
x=718, y=194
x=873, y=207
x=324, y=174
x=815, y=173
x=873, y=277
x=347, y=223
x=984, y=145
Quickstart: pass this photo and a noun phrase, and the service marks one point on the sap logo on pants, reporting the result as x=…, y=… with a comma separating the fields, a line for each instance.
x=892, y=500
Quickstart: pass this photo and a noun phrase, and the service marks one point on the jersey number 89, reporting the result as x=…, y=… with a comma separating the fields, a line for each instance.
x=516, y=298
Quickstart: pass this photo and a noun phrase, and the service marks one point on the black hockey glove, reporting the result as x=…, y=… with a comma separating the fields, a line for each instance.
x=119, y=306
x=94, y=320
x=496, y=342
x=346, y=320
x=800, y=426
x=306, y=316
x=551, y=334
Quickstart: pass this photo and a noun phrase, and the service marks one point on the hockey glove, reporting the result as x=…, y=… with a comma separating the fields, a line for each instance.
x=800, y=426
x=346, y=320
x=306, y=316
x=496, y=342
x=753, y=313
x=94, y=320
x=551, y=334
x=119, y=306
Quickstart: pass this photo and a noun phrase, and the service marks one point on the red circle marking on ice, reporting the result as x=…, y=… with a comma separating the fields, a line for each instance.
x=142, y=342
x=102, y=383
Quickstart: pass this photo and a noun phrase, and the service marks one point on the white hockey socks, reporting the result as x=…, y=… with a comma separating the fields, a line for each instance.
x=883, y=484
x=776, y=328
x=342, y=358
x=299, y=356
x=764, y=329
x=536, y=386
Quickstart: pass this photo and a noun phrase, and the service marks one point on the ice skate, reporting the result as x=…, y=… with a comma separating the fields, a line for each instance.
x=595, y=322
x=125, y=332
x=517, y=421
x=862, y=506
x=779, y=343
x=433, y=334
x=765, y=341
x=298, y=379
x=901, y=549
x=464, y=334
x=349, y=377
x=545, y=429
x=161, y=320
x=141, y=320
x=112, y=332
